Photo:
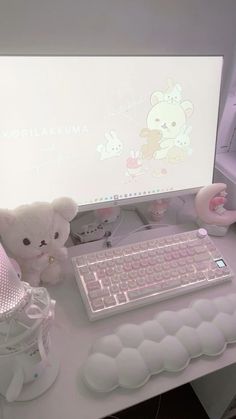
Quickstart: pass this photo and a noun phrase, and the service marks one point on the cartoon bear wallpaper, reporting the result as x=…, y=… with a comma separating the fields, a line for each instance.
x=169, y=115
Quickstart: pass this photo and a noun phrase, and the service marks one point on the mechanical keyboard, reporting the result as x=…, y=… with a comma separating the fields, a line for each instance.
x=123, y=278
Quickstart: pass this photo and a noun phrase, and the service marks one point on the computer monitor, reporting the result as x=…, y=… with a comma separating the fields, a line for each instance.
x=106, y=130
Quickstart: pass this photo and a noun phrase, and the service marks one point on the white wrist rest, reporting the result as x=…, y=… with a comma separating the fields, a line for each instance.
x=133, y=353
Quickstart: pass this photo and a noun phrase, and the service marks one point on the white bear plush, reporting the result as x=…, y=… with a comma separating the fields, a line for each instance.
x=35, y=234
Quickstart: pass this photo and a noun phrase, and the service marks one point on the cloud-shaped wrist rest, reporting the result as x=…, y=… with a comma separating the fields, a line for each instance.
x=133, y=353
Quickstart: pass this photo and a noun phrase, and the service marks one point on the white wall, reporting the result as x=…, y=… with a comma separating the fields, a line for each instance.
x=119, y=27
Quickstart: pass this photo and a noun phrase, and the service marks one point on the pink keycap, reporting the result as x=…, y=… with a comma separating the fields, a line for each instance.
x=92, y=258
x=101, y=273
x=150, y=279
x=97, y=304
x=115, y=279
x=109, y=301
x=149, y=270
x=190, y=252
x=144, y=263
x=95, y=285
x=151, y=253
x=211, y=274
x=121, y=298
x=174, y=264
x=110, y=271
x=200, y=275
x=124, y=286
x=153, y=261
x=141, y=281
x=114, y=289
x=119, y=261
x=80, y=261
x=136, y=265
x=181, y=262
x=119, y=269
x=118, y=251
x=199, y=249
x=89, y=277
x=98, y=293
x=128, y=251
x=132, y=284
x=132, y=275
x=201, y=266
x=106, y=282
x=124, y=277
x=127, y=267
x=84, y=269
x=143, y=255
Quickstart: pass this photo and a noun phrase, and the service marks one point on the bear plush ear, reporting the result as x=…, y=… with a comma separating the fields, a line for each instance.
x=156, y=98
x=6, y=219
x=66, y=207
x=187, y=107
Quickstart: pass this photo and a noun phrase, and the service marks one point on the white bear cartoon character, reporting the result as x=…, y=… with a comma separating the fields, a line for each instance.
x=169, y=118
x=112, y=148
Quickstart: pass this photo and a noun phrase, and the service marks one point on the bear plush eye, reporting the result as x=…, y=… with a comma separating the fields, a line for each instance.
x=26, y=241
x=56, y=235
x=157, y=120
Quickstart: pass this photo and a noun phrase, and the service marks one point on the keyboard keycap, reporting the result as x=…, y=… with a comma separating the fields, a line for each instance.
x=109, y=301
x=143, y=292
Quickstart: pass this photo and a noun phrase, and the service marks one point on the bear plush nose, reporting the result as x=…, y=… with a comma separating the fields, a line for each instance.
x=43, y=243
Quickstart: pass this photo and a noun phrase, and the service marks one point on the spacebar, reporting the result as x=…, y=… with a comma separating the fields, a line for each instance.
x=142, y=292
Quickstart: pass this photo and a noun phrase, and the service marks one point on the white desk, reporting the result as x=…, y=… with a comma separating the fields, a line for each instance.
x=73, y=334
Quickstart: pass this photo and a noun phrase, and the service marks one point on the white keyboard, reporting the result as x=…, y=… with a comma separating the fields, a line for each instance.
x=123, y=278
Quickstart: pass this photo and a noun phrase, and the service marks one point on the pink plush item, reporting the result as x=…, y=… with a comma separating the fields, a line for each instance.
x=107, y=215
x=35, y=234
x=217, y=204
x=158, y=208
x=205, y=199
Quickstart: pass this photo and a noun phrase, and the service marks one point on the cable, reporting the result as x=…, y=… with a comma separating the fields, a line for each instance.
x=119, y=224
x=120, y=238
x=108, y=239
x=158, y=407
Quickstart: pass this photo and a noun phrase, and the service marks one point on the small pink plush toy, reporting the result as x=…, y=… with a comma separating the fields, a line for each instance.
x=35, y=234
x=107, y=215
x=217, y=203
x=158, y=208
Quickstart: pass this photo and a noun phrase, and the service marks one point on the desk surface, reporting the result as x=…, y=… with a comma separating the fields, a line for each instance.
x=73, y=335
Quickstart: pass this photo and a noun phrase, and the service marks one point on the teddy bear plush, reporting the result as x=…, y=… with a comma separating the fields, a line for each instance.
x=35, y=234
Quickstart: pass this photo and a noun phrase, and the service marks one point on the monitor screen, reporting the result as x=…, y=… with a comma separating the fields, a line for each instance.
x=108, y=129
